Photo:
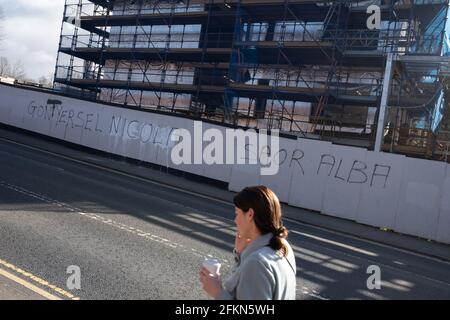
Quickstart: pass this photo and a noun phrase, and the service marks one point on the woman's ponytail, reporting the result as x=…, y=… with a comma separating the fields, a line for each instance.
x=277, y=243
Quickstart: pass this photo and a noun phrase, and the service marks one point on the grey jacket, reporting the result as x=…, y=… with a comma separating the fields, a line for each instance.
x=261, y=274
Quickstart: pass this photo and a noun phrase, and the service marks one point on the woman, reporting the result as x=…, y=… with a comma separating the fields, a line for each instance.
x=265, y=266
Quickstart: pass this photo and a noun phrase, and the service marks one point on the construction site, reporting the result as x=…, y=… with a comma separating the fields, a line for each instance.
x=164, y=113
x=312, y=69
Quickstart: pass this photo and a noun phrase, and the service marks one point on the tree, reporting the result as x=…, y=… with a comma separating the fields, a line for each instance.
x=50, y=78
x=1, y=19
x=5, y=67
x=46, y=82
x=43, y=81
x=18, y=71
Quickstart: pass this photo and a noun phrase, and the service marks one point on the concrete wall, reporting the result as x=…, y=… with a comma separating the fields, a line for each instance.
x=407, y=195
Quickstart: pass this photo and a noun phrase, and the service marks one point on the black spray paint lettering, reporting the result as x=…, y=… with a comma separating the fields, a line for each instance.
x=254, y=157
x=80, y=118
x=172, y=130
x=297, y=155
x=55, y=104
x=88, y=121
x=361, y=171
x=54, y=110
x=249, y=155
x=382, y=174
x=47, y=112
x=162, y=136
x=61, y=118
x=97, y=129
x=41, y=111
x=265, y=151
x=122, y=127
x=136, y=130
x=157, y=135
x=70, y=120
x=323, y=162
x=281, y=155
x=358, y=169
x=115, y=125
x=144, y=131
x=83, y=121
x=130, y=133
x=337, y=172
x=31, y=109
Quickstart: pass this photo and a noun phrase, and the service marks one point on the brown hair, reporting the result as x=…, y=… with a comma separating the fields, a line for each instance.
x=267, y=208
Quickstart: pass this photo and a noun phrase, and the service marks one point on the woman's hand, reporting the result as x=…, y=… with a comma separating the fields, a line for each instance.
x=240, y=243
x=212, y=284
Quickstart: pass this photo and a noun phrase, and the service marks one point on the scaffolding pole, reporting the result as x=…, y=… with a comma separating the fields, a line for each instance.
x=384, y=101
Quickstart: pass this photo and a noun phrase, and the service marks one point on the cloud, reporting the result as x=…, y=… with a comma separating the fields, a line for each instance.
x=30, y=33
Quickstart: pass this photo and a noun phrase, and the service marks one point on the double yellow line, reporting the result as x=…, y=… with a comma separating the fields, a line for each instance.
x=29, y=285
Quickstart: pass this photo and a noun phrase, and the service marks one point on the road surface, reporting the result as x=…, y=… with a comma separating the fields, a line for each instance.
x=133, y=239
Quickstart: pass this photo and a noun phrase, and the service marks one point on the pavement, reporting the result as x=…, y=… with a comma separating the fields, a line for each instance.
x=141, y=233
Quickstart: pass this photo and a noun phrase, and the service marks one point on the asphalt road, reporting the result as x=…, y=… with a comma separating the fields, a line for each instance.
x=133, y=239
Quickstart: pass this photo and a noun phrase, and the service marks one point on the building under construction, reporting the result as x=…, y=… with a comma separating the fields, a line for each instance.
x=309, y=68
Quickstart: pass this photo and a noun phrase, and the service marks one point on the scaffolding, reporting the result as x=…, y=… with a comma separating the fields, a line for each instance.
x=309, y=68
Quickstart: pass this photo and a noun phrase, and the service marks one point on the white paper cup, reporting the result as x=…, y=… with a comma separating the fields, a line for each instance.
x=212, y=265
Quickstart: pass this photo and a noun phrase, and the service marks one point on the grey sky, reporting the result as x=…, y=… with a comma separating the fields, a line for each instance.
x=30, y=32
